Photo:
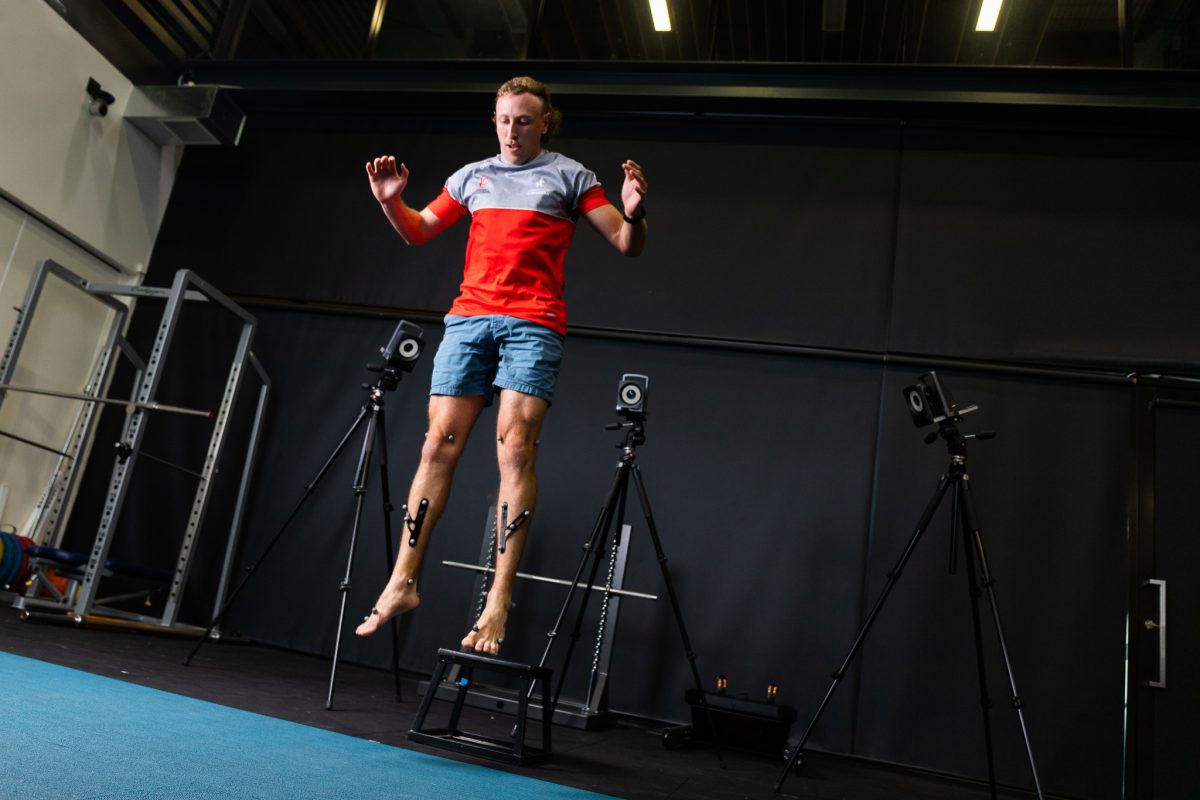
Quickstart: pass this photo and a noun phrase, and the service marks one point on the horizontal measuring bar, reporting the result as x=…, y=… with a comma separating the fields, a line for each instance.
x=32, y=443
x=172, y=465
x=559, y=581
x=127, y=403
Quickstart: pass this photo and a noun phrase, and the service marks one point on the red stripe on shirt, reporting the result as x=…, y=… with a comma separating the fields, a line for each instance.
x=514, y=266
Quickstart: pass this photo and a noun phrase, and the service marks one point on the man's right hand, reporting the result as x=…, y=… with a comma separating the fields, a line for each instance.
x=387, y=183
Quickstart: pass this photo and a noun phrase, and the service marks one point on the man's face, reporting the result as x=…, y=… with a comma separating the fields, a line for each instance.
x=520, y=122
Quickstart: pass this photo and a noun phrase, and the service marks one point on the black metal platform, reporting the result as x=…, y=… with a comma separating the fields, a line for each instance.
x=512, y=751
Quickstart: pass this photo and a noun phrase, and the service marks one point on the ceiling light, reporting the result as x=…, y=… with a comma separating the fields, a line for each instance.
x=658, y=10
x=989, y=11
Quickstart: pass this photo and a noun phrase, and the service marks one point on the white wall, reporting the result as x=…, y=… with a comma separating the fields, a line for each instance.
x=97, y=177
x=98, y=180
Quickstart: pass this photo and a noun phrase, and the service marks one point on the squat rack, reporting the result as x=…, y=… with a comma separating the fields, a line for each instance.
x=81, y=603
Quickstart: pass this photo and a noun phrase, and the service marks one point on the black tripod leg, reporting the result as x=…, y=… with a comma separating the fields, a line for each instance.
x=974, y=540
x=250, y=570
x=985, y=700
x=360, y=491
x=597, y=553
x=589, y=547
x=661, y=555
x=385, y=493
x=892, y=577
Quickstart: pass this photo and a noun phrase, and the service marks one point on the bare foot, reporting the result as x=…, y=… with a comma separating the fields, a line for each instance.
x=394, y=600
x=487, y=634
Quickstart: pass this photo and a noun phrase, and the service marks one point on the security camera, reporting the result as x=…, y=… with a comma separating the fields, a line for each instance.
x=101, y=99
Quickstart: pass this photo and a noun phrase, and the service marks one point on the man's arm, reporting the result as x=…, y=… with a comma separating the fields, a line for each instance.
x=387, y=184
x=628, y=237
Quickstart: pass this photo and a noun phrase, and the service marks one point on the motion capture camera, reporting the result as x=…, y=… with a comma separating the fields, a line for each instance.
x=632, y=395
x=400, y=354
x=930, y=403
x=404, y=348
x=101, y=99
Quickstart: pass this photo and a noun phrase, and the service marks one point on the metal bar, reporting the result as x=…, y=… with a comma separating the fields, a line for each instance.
x=215, y=447
x=1125, y=31
x=129, y=404
x=44, y=269
x=132, y=437
x=61, y=485
x=559, y=581
x=1115, y=376
x=1161, y=627
x=217, y=296
x=1169, y=403
x=124, y=290
x=173, y=466
x=49, y=526
x=239, y=509
x=606, y=633
x=32, y=443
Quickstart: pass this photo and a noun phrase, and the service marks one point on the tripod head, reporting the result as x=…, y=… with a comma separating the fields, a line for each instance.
x=931, y=403
x=400, y=355
x=635, y=433
x=632, y=397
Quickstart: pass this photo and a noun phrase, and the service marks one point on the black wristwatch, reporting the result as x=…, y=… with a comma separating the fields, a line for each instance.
x=641, y=215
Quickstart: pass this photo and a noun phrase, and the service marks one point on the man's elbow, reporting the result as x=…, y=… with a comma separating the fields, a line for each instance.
x=416, y=236
x=633, y=247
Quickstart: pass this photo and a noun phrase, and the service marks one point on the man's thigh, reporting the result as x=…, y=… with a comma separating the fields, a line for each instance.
x=530, y=357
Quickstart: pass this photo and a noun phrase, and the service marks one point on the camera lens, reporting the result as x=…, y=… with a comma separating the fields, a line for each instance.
x=631, y=394
x=916, y=402
x=409, y=349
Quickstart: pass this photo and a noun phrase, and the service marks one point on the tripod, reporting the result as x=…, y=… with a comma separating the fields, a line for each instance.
x=612, y=512
x=956, y=481
x=373, y=413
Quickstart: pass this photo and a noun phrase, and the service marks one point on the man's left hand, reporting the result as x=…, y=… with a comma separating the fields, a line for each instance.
x=634, y=188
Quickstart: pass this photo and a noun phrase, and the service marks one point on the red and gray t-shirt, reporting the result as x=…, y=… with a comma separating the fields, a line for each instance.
x=522, y=220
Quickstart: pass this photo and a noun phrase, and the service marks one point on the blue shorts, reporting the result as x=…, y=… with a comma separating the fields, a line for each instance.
x=479, y=354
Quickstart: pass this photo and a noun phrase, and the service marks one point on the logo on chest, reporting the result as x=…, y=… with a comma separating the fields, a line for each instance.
x=540, y=188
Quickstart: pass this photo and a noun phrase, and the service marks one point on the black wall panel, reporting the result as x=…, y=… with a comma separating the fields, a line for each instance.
x=1048, y=248
x=750, y=243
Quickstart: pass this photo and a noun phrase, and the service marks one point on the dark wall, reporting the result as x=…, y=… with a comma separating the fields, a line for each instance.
x=749, y=243
x=1075, y=249
x=784, y=485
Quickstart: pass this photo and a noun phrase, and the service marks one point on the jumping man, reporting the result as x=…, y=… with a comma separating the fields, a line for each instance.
x=505, y=329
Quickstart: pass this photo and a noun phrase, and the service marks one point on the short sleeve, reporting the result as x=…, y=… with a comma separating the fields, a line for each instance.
x=592, y=199
x=447, y=208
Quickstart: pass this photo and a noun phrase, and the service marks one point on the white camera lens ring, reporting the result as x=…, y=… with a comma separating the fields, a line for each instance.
x=409, y=349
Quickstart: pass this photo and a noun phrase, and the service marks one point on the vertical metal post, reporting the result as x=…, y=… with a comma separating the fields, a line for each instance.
x=239, y=509
x=47, y=527
x=606, y=630
x=200, y=502
x=134, y=432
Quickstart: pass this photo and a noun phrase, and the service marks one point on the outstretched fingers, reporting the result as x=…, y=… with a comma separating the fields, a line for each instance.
x=385, y=167
x=634, y=172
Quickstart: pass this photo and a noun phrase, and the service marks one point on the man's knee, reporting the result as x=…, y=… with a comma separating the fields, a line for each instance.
x=441, y=448
x=516, y=452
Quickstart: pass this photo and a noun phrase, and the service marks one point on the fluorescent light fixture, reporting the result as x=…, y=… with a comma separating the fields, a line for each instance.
x=658, y=10
x=989, y=12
